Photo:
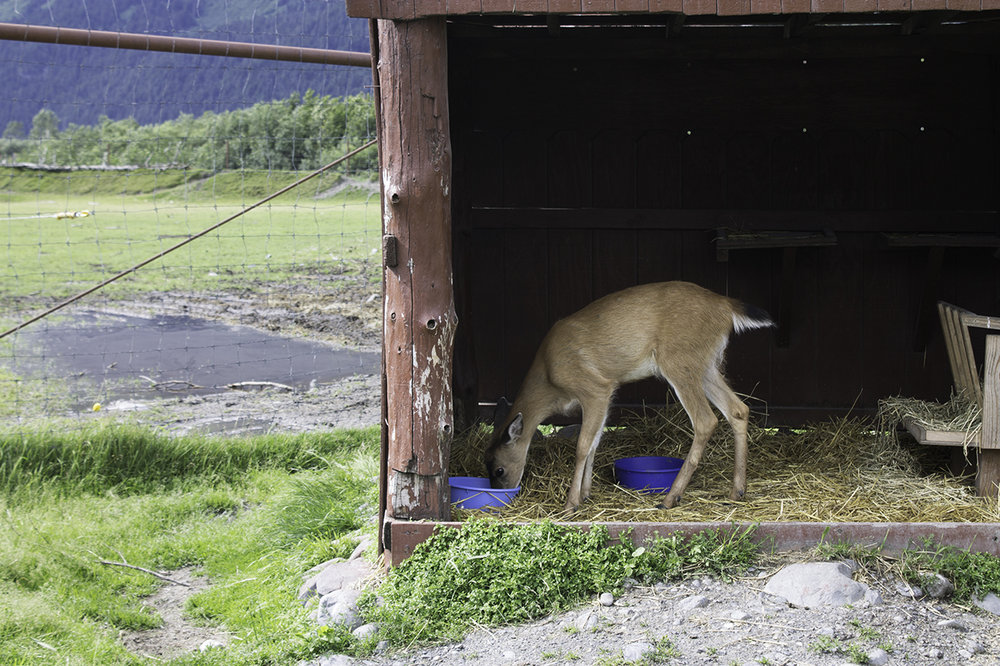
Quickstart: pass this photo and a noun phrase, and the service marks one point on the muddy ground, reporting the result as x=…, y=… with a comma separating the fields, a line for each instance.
x=294, y=357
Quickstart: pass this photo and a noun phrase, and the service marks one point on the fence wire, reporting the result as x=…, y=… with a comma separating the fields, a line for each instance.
x=269, y=322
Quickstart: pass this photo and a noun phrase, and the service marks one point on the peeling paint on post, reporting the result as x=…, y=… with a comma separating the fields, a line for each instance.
x=420, y=320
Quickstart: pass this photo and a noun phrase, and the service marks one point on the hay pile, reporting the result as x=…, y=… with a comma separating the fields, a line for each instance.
x=839, y=471
x=959, y=414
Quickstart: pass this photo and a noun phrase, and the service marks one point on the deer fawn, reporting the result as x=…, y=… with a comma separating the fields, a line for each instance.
x=674, y=330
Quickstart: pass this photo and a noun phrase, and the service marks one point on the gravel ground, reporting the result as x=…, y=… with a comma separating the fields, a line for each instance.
x=705, y=621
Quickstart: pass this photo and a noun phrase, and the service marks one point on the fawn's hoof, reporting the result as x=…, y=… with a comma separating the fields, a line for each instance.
x=669, y=502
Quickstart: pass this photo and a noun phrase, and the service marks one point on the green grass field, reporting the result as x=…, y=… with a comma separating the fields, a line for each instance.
x=46, y=255
x=251, y=514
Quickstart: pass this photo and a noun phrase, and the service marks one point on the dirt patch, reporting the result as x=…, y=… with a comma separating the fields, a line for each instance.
x=320, y=369
x=177, y=635
x=353, y=402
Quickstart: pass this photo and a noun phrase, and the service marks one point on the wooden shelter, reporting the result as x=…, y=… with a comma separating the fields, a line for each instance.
x=832, y=161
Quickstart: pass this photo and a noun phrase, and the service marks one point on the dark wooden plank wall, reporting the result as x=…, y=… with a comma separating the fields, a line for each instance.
x=583, y=167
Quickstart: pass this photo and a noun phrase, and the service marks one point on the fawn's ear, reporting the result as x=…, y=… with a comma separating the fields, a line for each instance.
x=500, y=412
x=516, y=428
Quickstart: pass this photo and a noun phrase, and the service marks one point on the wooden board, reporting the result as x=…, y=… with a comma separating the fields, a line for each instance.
x=925, y=435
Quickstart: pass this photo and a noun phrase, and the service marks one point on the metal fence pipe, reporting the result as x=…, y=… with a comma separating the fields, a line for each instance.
x=140, y=42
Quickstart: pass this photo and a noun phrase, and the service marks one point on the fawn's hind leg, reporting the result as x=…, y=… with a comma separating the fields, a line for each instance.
x=704, y=422
x=738, y=415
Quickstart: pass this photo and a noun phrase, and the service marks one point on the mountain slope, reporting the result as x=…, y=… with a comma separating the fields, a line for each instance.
x=81, y=84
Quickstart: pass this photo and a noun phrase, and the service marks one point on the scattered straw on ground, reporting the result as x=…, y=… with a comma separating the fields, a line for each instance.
x=839, y=471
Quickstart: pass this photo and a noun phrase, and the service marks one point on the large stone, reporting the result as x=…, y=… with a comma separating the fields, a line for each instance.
x=335, y=576
x=340, y=607
x=365, y=630
x=814, y=584
x=990, y=603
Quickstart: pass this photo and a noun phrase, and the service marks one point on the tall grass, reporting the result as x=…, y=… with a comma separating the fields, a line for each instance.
x=131, y=459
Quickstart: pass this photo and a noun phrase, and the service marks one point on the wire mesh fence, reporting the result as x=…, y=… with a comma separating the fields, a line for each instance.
x=270, y=321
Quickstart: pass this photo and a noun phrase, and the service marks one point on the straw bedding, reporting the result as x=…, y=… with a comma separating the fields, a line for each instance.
x=840, y=471
x=960, y=414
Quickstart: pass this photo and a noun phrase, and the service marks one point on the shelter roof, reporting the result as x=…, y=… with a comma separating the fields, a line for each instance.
x=411, y=9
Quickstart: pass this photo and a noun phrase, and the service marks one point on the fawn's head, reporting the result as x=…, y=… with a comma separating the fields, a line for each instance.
x=506, y=454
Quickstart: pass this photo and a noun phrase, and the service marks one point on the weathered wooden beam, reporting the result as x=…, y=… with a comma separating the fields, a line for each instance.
x=383, y=476
x=988, y=473
x=419, y=316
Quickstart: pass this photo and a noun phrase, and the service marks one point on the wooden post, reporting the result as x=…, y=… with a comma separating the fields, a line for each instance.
x=988, y=475
x=419, y=315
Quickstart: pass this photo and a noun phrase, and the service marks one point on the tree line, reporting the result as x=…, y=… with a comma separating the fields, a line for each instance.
x=299, y=132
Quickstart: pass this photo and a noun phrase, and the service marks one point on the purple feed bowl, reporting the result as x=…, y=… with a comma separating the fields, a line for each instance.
x=649, y=474
x=474, y=492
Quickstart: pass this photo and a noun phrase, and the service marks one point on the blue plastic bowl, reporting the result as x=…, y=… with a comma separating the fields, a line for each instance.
x=474, y=492
x=648, y=474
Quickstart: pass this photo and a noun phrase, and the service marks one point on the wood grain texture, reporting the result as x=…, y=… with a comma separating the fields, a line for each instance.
x=419, y=315
x=990, y=435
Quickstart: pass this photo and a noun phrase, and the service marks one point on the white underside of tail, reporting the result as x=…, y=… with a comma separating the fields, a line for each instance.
x=744, y=323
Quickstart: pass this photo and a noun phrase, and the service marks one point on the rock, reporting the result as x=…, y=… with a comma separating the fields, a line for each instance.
x=878, y=657
x=939, y=587
x=990, y=603
x=333, y=660
x=607, y=599
x=934, y=653
x=365, y=630
x=907, y=590
x=689, y=604
x=339, y=608
x=363, y=545
x=873, y=598
x=210, y=644
x=336, y=576
x=953, y=624
x=740, y=616
x=813, y=584
x=636, y=651
x=586, y=621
